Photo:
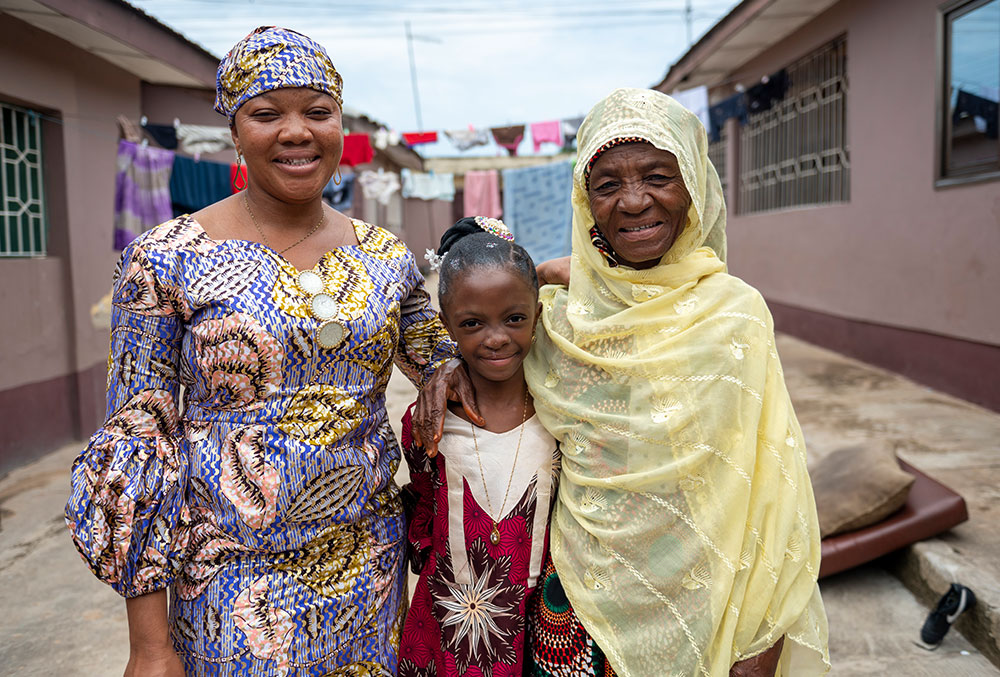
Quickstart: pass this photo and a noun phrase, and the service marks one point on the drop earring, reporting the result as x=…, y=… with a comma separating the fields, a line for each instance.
x=337, y=178
x=239, y=177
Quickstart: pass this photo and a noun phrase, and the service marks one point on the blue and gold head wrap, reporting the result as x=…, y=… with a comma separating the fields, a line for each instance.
x=273, y=58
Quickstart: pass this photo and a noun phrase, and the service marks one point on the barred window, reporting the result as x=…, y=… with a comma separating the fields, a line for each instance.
x=796, y=153
x=717, y=155
x=970, y=147
x=22, y=212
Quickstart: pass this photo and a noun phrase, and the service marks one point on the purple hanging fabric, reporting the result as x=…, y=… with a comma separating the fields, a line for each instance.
x=142, y=190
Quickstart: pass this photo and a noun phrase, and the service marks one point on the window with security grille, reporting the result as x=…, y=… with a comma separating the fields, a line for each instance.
x=717, y=155
x=971, y=98
x=22, y=212
x=796, y=153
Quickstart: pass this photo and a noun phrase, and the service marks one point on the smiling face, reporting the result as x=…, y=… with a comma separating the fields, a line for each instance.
x=491, y=313
x=639, y=202
x=291, y=140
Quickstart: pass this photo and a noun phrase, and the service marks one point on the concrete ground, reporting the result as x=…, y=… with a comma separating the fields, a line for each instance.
x=59, y=620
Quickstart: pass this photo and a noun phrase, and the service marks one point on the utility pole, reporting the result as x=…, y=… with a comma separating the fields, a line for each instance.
x=413, y=78
x=687, y=20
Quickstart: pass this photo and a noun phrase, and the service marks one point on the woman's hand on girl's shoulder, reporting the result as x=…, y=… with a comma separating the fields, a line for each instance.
x=449, y=382
x=555, y=271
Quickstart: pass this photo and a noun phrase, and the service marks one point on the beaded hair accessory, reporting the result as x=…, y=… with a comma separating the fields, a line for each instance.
x=434, y=258
x=495, y=227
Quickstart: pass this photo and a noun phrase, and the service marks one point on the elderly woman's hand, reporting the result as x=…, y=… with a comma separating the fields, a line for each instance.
x=449, y=382
x=762, y=665
x=555, y=271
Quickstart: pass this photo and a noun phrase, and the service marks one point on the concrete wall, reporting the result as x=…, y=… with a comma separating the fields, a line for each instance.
x=901, y=253
x=52, y=357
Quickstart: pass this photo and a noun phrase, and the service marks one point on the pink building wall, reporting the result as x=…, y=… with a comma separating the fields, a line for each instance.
x=902, y=252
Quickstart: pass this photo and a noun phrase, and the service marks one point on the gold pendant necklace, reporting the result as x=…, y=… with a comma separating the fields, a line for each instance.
x=322, y=220
x=495, y=533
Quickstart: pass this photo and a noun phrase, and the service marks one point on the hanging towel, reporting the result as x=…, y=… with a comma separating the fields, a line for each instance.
x=464, y=139
x=195, y=185
x=482, y=194
x=201, y=139
x=142, y=190
x=340, y=197
x=417, y=138
x=696, y=101
x=537, y=209
x=546, y=132
x=509, y=138
x=569, y=129
x=428, y=186
x=165, y=136
x=357, y=150
x=380, y=185
x=733, y=107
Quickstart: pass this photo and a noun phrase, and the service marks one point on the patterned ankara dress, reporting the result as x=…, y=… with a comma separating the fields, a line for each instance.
x=467, y=612
x=267, y=504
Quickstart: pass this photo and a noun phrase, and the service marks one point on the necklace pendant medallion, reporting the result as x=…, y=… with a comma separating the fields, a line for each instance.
x=495, y=534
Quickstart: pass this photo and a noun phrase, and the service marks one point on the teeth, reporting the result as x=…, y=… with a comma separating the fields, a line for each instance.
x=638, y=228
x=296, y=163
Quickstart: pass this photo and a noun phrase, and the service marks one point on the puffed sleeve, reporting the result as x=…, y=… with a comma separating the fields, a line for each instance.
x=424, y=344
x=420, y=497
x=126, y=503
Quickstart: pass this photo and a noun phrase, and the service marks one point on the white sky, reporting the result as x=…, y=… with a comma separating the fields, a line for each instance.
x=493, y=62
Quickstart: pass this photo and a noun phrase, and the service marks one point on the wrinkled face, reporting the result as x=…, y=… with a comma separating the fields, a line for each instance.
x=491, y=314
x=639, y=202
x=291, y=140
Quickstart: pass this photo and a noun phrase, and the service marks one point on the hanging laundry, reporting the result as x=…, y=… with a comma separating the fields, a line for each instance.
x=165, y=136
x=772, y=88
x=380, y=185
x=537, y=209
x=428, y=186
x=696, y=101
x=383, y=138
x=733, y=107
x=142, y=190
x=357, y=150
x=238, y=177
x=982, y=110
x=201, y=139
x=464, y=139
x=341, y=196
x=546, y=132
x=482, y=194
x=509, y=138
x=196, y=184
x=417, y=138
x=570, y=126
x=127, y=129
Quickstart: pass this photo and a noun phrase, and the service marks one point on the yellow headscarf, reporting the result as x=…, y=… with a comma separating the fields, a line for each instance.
x=685, y=531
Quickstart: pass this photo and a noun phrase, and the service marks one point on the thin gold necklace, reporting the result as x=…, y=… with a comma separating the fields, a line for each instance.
x=322, y=220
x=495, y=534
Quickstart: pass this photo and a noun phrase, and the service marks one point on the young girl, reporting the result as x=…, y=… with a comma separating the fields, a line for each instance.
x=482, y=504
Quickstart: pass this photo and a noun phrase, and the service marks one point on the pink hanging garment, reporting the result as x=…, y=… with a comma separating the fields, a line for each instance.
x=482, y=194
x=546, y=132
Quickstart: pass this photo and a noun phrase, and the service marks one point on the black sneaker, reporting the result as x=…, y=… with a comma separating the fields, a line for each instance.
x=958, y=599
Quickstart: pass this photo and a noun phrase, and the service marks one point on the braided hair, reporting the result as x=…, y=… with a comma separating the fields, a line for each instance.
x=466, y=245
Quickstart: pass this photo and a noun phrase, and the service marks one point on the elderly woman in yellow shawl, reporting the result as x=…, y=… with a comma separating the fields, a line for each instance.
x=684, y=539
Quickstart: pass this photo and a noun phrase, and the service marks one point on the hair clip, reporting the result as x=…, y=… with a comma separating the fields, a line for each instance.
x=495, y=227
x=434, y=258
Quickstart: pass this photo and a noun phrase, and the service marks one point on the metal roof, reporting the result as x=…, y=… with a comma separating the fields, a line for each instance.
x=752, y=27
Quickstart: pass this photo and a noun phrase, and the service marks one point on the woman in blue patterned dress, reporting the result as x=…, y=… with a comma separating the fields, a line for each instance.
x=266, y=503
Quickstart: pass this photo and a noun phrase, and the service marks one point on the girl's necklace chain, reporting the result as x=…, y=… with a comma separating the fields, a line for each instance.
x=495, y=533
x=322, y=220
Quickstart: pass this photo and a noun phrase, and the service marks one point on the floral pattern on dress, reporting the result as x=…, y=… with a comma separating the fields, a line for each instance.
x=268, y=506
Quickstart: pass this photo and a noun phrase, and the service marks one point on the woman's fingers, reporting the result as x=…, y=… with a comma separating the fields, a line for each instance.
x=461, y=390
x=762, y=665
x=432, y=403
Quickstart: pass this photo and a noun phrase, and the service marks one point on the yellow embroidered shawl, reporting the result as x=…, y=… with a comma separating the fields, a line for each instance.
x=685, y=530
